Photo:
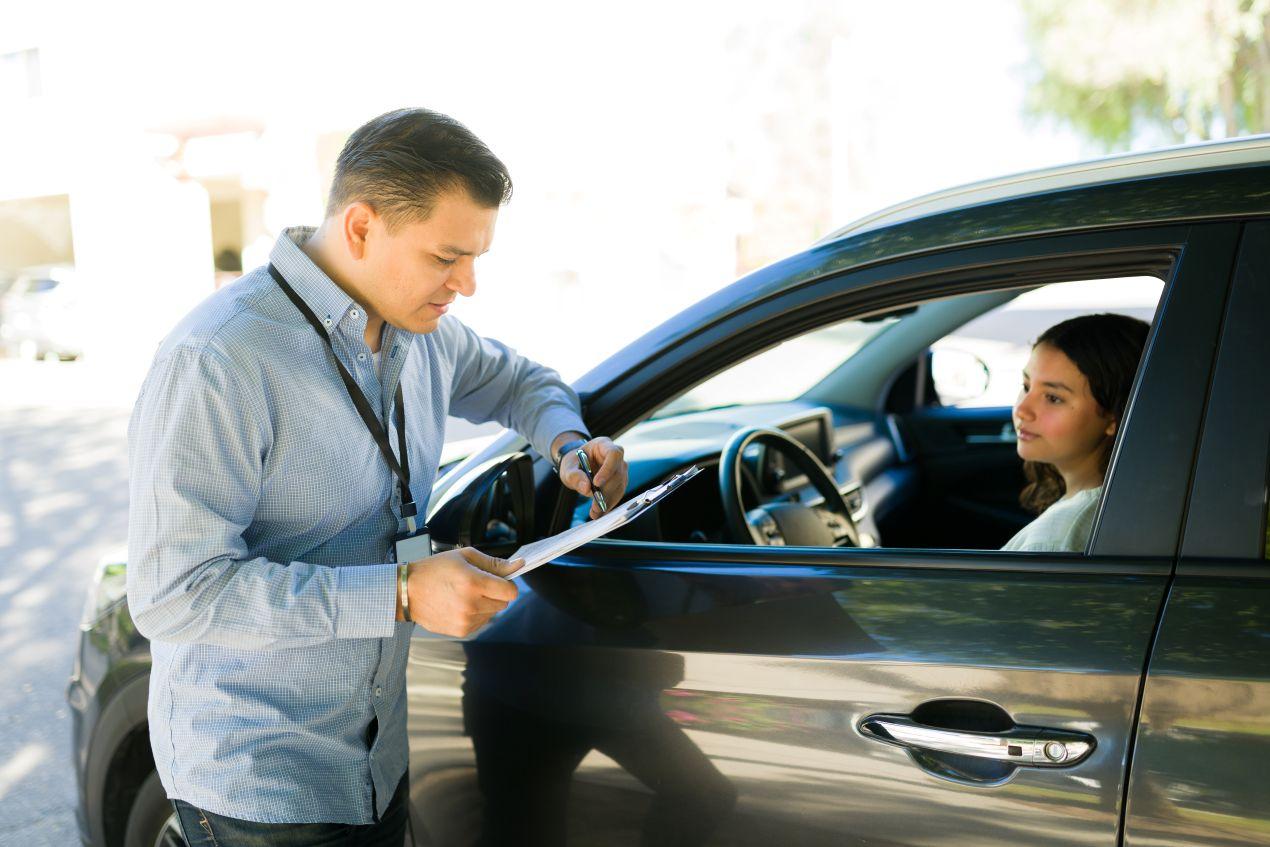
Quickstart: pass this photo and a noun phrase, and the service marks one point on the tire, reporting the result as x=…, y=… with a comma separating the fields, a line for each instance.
x=152, y=821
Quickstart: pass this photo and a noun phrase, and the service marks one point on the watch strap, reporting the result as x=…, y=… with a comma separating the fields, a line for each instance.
x=564, y=449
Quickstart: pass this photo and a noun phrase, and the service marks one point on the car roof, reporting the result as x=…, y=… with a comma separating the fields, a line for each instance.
x=1162, y=162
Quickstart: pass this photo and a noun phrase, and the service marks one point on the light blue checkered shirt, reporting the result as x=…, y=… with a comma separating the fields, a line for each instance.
x=259, y=538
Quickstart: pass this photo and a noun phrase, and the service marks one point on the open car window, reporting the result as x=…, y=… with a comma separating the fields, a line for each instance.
x=941, y=474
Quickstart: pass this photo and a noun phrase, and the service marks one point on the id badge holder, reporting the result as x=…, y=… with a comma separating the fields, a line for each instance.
x=413, y=546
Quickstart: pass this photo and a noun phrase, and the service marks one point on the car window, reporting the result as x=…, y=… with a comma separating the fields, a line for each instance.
x=781, y=373
x=971, y=488
x=1002, y=339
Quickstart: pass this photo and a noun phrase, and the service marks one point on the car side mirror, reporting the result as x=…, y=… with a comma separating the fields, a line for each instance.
x=958, y=375
x=491, y=507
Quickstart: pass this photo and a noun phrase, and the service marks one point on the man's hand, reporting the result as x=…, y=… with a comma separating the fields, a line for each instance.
x=608, y=466
x=458, y=591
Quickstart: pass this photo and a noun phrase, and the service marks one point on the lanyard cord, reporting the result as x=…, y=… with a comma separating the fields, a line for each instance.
x=402, y=470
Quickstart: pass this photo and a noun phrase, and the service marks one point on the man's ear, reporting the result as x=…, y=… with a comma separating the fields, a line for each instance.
x=1112, y=427
x=355, y=226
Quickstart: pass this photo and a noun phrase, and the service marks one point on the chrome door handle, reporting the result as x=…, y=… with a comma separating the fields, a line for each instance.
x=1030, y=746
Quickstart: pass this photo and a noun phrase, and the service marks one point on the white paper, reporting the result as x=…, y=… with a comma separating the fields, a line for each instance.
x=539, y=553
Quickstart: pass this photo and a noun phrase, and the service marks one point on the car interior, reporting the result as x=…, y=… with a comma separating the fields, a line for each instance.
x=888, y=430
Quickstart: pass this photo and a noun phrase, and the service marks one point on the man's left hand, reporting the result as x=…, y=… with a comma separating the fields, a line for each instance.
x=608, y=466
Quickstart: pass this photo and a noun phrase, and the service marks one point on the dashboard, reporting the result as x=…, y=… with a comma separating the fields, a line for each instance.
x=852, y=445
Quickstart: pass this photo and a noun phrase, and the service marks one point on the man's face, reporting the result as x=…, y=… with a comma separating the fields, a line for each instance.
x=413, y=274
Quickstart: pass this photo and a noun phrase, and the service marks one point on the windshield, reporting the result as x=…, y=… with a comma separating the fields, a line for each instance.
x=783, y=373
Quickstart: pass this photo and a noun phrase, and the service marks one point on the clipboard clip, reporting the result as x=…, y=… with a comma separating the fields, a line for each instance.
x=650, y=497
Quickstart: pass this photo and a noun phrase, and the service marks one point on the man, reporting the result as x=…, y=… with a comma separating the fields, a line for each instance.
x=267, y=488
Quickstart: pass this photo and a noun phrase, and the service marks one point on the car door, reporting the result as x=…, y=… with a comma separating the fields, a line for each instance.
x=685, y=694
x=1204, y=735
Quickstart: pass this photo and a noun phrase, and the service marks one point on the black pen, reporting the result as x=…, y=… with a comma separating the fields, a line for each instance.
x=595, y=492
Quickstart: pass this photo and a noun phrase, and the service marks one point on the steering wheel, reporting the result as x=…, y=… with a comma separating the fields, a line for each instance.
x=784, y=523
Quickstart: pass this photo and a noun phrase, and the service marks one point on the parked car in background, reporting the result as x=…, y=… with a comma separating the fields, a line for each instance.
x=41, y=314
x=818, y=641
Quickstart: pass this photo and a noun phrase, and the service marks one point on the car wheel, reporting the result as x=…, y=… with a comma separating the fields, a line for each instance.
x=152, y=821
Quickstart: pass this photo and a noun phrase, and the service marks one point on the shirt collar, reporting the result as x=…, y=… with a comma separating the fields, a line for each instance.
x=327, y=300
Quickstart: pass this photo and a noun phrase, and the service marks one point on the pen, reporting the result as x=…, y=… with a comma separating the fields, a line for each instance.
x=595, y=492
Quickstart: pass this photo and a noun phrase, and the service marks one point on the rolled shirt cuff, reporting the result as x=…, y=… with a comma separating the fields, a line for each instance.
x=553, y=422
x=367, y=601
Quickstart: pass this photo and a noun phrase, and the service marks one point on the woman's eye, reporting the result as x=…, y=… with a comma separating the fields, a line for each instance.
x=446, y=262
x=1053, y=398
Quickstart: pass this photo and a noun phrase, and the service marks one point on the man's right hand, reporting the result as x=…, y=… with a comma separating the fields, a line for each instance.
x=458, y=591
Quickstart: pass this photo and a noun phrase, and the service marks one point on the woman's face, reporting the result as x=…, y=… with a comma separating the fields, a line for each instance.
x=1056, y=417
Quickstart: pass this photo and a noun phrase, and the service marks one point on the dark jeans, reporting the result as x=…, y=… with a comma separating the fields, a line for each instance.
x=204, y=829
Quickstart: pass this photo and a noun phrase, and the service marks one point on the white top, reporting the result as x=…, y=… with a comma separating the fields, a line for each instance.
x=1062, y=528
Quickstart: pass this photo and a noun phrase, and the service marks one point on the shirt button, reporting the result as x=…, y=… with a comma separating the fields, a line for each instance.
x=361, y=357
x=327, y=321
x=355, y=314
x=379, y=692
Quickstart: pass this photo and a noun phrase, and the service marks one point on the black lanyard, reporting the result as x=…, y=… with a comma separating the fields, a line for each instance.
x=401, y=471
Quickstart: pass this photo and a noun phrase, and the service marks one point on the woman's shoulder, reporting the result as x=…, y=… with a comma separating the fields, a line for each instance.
x=1062, y=528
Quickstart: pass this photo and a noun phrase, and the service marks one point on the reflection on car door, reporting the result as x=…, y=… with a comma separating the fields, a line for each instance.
x=691, y=694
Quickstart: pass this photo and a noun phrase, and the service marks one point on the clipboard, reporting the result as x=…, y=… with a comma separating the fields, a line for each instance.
x=538, y=553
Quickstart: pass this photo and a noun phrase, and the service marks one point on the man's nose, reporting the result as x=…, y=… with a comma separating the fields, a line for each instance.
x=463, y=278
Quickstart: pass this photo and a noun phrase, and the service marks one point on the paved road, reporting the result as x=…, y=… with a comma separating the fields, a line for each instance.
x=63, y=505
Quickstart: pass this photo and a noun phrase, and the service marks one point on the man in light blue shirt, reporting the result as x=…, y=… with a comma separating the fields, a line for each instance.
x=263, y=509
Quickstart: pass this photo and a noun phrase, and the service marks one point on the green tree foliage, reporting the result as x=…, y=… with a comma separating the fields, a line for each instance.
x=1165, y=71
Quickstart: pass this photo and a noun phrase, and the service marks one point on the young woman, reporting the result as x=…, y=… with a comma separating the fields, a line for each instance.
x=1067, y=415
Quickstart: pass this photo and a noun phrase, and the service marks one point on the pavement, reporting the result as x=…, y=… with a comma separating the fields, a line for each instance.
x=63, y=505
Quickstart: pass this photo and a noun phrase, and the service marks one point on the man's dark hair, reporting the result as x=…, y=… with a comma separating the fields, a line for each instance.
x=400, y=163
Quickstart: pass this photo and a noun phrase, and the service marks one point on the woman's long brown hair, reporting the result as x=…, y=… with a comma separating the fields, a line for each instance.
x=1105, y=348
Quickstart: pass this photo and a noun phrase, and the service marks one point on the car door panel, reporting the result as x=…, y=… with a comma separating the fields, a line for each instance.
x=970, y=479
x=1204, y=731
x=691, y=693
x=1198, y=774
x=735, y=690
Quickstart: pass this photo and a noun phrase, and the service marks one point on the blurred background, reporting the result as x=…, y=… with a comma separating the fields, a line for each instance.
x=150, y=153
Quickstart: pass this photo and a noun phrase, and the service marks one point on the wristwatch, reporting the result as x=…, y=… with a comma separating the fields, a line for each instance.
x=564, y=450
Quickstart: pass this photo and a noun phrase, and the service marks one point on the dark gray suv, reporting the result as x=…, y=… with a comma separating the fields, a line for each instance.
x=875, y=671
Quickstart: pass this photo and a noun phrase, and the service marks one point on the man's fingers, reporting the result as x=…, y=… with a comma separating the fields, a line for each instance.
x=495, y=585
x=485, y=606
x=484, y=561
x=613, y=462
x=576, y=480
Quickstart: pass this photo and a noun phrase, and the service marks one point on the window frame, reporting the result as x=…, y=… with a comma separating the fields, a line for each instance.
x=1191, y=259
x=1227, y=511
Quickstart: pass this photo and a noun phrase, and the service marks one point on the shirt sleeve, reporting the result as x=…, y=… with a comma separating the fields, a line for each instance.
x=493, y=382
x=197, y=446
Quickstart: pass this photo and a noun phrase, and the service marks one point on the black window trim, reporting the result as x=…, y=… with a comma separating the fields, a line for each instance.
x=1146, y=250
x=1224, y=529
